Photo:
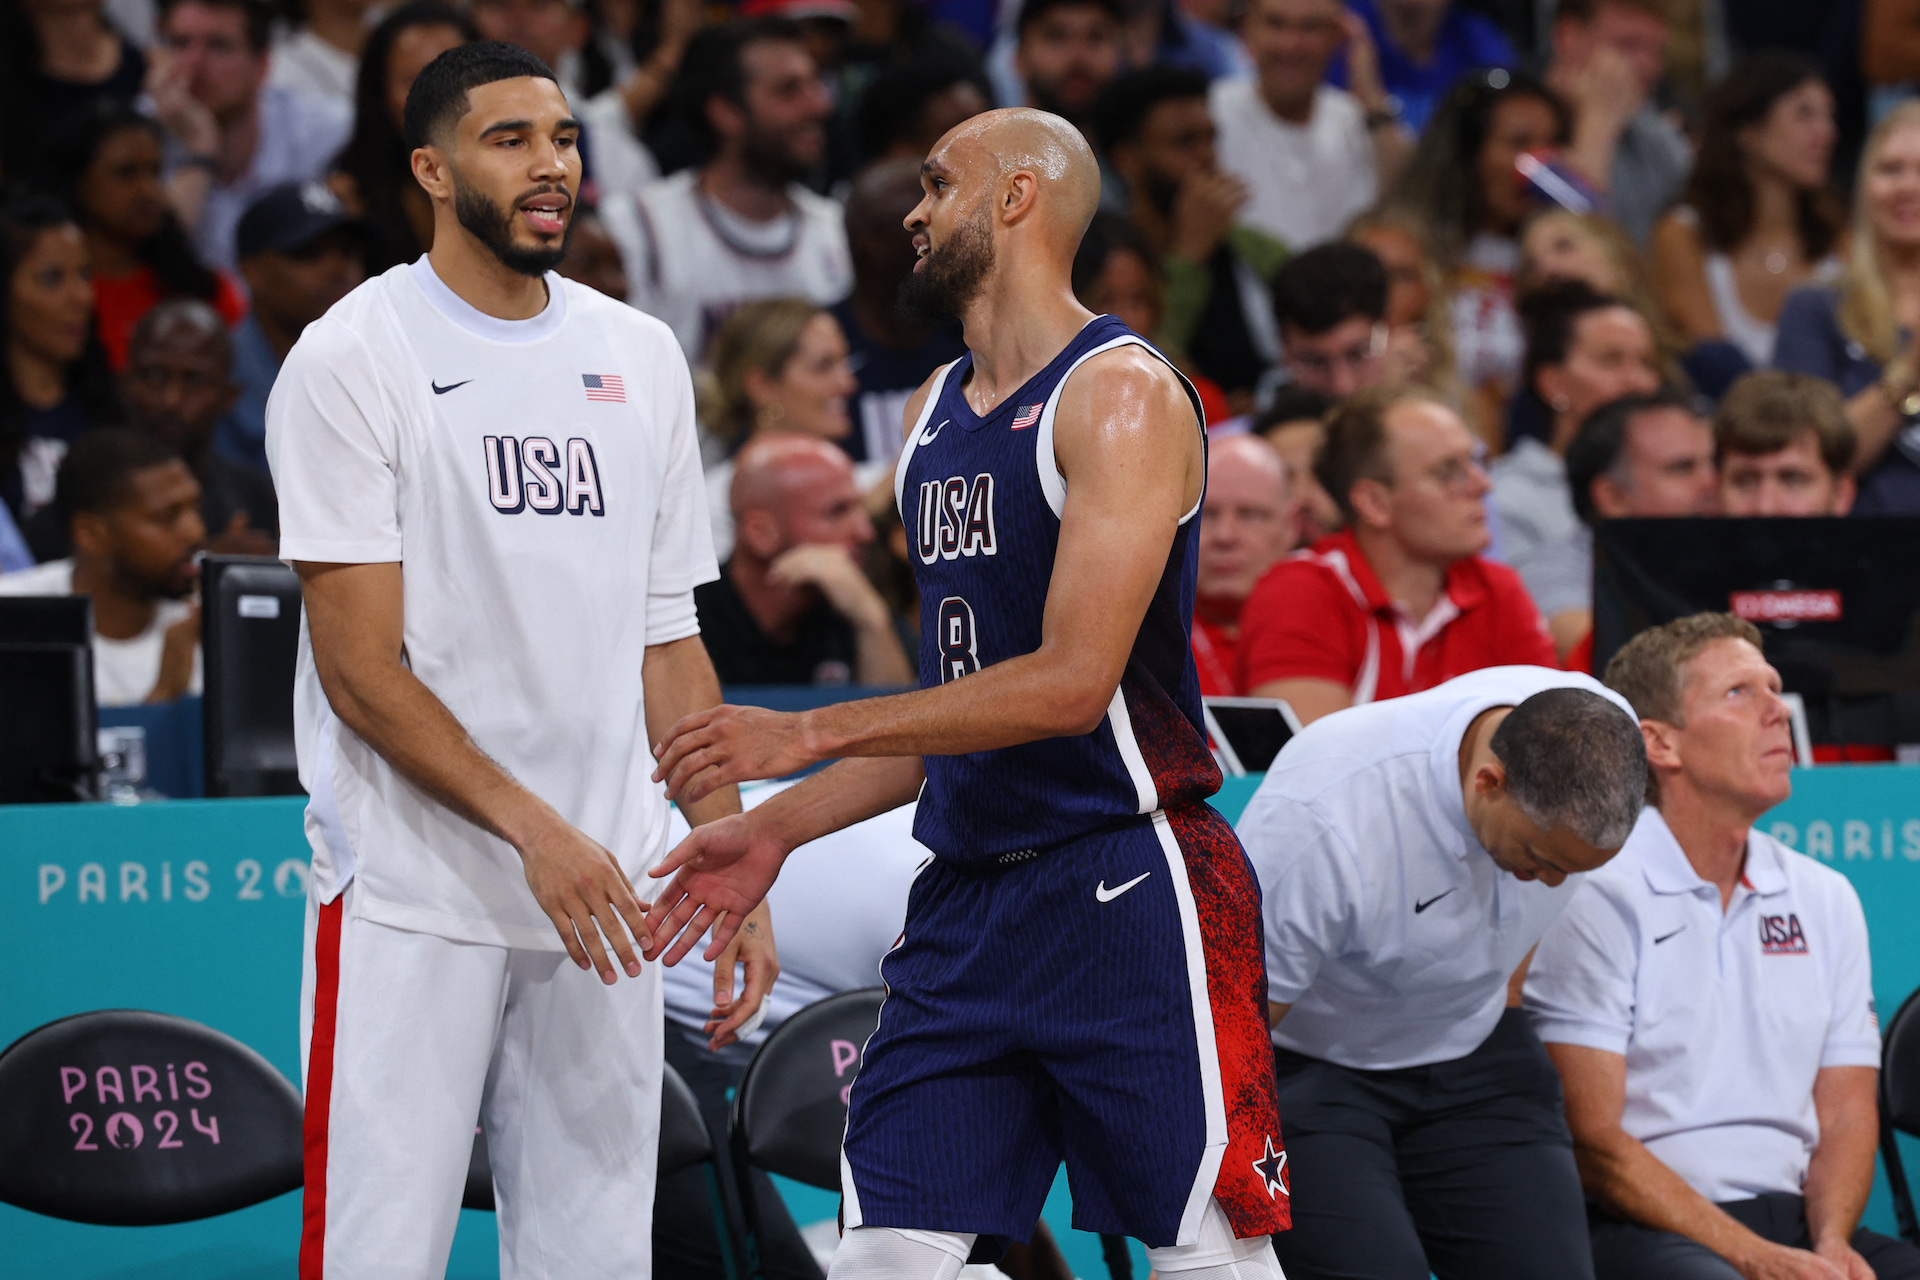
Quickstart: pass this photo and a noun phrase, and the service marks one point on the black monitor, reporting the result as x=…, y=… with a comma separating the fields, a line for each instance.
x=1248, y=733
x=250, y=620
x=48, y=748
x=1837, y=601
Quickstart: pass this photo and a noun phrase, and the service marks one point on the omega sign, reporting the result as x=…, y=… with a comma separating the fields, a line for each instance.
x=1786, y=606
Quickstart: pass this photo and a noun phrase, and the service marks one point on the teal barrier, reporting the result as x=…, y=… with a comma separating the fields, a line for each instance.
x=194, y=908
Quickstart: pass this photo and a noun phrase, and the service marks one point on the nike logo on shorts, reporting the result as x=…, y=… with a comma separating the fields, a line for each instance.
x=1103, y=894
x=440, y=390
x=1418, y=907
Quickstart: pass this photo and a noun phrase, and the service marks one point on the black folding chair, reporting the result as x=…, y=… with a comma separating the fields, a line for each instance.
x=127, y=1118
x=1900, y=1105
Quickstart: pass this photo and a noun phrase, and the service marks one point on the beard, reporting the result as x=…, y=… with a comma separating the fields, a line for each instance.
x=492, y=226
x=770, y=154
x=951, y=277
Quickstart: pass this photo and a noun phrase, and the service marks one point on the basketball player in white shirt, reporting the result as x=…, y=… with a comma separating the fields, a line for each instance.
x=491, y=491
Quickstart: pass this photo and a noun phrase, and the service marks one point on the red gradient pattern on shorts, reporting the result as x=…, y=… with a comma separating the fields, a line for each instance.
x=326, y=1003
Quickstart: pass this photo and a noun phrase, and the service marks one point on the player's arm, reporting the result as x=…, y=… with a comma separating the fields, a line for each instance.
x=1128, y=445
x=354, y=617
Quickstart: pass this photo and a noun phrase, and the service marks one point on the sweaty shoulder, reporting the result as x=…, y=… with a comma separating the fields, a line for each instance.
x=1107, y=385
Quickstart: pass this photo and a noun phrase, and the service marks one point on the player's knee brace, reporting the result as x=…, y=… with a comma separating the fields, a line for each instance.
x=895, y=1253
x=1216, y=1255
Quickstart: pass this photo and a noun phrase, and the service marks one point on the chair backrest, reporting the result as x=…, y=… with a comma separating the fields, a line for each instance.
x=684, y=1141
x=129, y=1118
x=1900, y=1067
x=790, y=1111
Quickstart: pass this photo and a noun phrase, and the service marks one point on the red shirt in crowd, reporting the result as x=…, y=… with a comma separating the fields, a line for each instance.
x=1323, y=615
x=1213, y=657
x=119, y=302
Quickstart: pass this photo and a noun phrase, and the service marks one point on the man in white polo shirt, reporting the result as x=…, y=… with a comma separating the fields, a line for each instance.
x=1706, y=998
x=1410, y=853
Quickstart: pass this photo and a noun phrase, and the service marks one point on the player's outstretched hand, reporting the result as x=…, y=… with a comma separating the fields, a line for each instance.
x=585, y=893
x=751, y=948
x=721, y=873
x=709, y=749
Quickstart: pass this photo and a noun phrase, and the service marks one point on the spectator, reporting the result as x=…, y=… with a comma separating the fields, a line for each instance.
x=231, y=135
x=1422, y=1125
x=1331, y=306
x=1245, y=525
x=1642, y=455
x=1400, y=600
x=1159, y=138
x=320, y=54
x=55, y=385
x=891, y=354
x=1066, y=52
x=300, y=254
x=791, y=605
x=1462, y=187
x=1312, y=156
x=1760, y=218
x=1419, y=337
x=1294, y=423
x=909, y=106
x=1863, y=333
x=1583, y=349
x=592, y=257
x=740, y=226
x=1425, y=46
x=132, y=511
x=373, y=175
x=1700, y=1156
x=1607, y=60
x=106, y=166
x=1784, y=447
x=178, y=385
x=60, y=59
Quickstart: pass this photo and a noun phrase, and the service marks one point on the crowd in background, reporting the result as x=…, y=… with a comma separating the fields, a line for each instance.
x=1454, y=279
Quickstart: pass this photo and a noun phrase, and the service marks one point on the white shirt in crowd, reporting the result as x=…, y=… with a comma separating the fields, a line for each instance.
x=1389, y=928
x=1306, y=181
x=838, y=908
x=124, y=671
x=540, y=483
x=691, y=261
x=1724, y=1017
x=304, y=63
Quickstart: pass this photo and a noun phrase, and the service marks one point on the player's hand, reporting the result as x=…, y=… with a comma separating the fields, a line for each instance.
x=753, y=948
x=721, y=874
x=709, y=749
x=1769, y=1261
x=1842, y=1255
x=585, y=893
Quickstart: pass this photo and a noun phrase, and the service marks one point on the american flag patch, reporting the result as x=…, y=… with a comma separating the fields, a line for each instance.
x=1027, y=417
x=610, y=387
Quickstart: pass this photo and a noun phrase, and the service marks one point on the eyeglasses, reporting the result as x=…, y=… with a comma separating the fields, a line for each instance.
x=1458, y=474
x=1356, y=357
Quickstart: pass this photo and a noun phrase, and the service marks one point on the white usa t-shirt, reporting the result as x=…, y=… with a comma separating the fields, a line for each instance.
x=539, y=483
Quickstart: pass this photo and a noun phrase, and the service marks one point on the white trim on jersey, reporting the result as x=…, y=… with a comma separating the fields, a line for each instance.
x=1130, y=755
x=912, y=441
x=1052, y=483
x=1212, y=1091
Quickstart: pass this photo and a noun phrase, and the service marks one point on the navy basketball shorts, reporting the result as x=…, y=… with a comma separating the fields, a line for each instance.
x=1102, y=1003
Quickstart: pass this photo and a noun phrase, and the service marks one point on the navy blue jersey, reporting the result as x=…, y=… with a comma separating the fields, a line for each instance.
x=981, y=499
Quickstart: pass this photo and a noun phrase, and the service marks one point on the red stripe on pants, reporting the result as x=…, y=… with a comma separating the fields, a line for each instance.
x=326, y=1002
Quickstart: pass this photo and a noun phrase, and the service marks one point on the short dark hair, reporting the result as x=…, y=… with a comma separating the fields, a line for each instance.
x=1356, y=445
x=257, y=15
x=1548, y=316
x=714, y=66
x=93, y=476
x=1587, y=10
x=1575, y=760
x=894, y=100
x=1328, y=284
x=1767, y=410
x=1126, y=103
x=1033, y=10
x=438, y=97
x=1293, y=404
x=1106, y=235
x=1597, y=446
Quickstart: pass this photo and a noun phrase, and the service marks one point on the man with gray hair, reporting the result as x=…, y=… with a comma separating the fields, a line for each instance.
x=1411, y=853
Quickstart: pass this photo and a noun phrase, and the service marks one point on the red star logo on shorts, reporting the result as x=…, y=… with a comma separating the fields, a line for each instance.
x=1272, y=1168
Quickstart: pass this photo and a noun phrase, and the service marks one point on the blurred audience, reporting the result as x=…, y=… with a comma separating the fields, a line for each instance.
x=1064, y=54
x=592, y=257
x=300, y=253
x=132, y=513
x=1583, y=349
x=1424, y=47
x=889, y=353
x=58, y=60
x=909, y=106
x=319, y=55
x=230, y=134
x=1295, y=424
x=373, y=175
x=1159, y=138
x=1863, y=333
x=1759, y=218
x=791, y=605
x=1246, y=524
x=1331, y=307
x=1419, y=335
x=1784, y=447
x=1312, y=156
x=1400, y=600
x=740, y=225
x=106, y=165
x=57, y=384
x=1608, y=56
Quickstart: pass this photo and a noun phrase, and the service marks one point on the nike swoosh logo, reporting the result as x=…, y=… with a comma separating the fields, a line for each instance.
x=1418, y=907
x=926, y=437
x=1663, y=937
x=440, y=390
x=1103, y=894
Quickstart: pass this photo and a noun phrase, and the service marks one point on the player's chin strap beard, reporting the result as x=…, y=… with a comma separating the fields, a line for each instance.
x=492, y=225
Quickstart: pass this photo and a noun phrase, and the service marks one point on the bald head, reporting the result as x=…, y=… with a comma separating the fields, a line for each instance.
x=1016, y=139
x=178, y=382
x=791, y=491
x=184, y=322
x=1247, y=522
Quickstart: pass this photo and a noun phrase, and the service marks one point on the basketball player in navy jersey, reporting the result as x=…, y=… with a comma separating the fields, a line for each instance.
x=1080, y=976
